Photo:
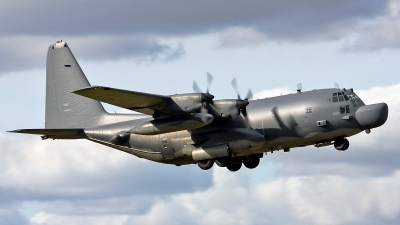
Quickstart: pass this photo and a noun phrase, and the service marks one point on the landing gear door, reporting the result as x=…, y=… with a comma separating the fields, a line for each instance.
x=166, y=149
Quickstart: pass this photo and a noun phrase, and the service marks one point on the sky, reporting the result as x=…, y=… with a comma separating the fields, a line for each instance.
x=161, y=47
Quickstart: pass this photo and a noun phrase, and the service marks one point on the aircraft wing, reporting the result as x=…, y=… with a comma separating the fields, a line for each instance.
x=132, y=100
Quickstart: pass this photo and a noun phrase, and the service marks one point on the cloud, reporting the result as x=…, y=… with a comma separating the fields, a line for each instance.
x=81, y=169
x=380, y=33
x=303, y=200
x=9, y=215
x=241, y=36
x=139, y=29
x=29, y=52
x=177, y=17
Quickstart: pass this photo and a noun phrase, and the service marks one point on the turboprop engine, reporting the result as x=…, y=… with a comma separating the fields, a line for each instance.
x=184, y=103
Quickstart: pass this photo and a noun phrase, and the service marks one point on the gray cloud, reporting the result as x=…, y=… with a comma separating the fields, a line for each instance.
x=137, y=28
x=23, y=53
x=177, y=17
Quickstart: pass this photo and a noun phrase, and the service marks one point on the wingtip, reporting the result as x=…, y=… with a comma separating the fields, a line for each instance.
x=13, y=131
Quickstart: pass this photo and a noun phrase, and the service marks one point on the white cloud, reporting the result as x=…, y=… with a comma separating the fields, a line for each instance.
x=241, y=37
x=379, y=33
x=82, y=168
x=385, y=135
x=300, y=200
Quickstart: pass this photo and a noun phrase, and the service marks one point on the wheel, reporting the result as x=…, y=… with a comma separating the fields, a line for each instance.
x=234, y=167
x=206, y=164
x=346, y=144
x=222, y=162
x=341, y=144
x=252, y=163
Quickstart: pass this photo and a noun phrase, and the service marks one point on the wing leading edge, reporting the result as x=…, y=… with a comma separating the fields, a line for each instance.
x=132, y=100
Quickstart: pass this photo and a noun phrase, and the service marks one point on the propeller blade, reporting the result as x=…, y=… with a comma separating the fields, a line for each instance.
x=196, y=87
x=209, y=81
x=235, y=86
x=204, y=113
x=246, y=118
x=249, y=95
x=336, y=85
x=299, y=87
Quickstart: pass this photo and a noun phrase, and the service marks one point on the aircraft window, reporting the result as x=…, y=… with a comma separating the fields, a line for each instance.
x=339, y=97
x=344, y=109
x=352, y=96
x=334, y=98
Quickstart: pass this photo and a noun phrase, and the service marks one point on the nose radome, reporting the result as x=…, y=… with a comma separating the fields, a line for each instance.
x=371, y=116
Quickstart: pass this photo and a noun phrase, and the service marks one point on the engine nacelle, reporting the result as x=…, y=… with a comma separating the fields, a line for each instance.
x=226, y=108
x=185, y=103
x=172, y=124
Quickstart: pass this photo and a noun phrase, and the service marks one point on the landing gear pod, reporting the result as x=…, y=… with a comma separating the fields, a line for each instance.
x=212, y=152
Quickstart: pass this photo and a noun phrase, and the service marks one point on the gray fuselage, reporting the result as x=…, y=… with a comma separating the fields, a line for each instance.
x=288, y=121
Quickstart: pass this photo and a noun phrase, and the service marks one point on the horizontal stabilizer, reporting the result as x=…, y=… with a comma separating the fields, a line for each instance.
x=132, y=100
x=54, y=133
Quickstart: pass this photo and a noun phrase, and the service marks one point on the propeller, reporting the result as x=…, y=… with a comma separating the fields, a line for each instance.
x=299, y=87
x=336, y=85
x=241, y=103
x=206, y=98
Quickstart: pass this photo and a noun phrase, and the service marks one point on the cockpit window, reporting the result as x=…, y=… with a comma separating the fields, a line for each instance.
x=352, y=96
x=335, y=98
x=345, y=96
x=339, y=97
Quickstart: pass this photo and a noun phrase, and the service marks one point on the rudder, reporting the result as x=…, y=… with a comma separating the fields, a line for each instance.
x=63, y=108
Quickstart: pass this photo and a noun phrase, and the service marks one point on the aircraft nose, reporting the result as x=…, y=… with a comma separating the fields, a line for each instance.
x=371, y=116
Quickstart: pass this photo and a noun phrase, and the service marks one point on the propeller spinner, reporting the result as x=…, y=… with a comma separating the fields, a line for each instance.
x=241, y=103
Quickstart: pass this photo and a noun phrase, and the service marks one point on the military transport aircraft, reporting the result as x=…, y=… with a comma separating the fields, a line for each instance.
x=194, y=128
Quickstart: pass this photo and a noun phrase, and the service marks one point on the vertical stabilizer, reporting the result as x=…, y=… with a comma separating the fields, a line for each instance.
x=63, y=108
